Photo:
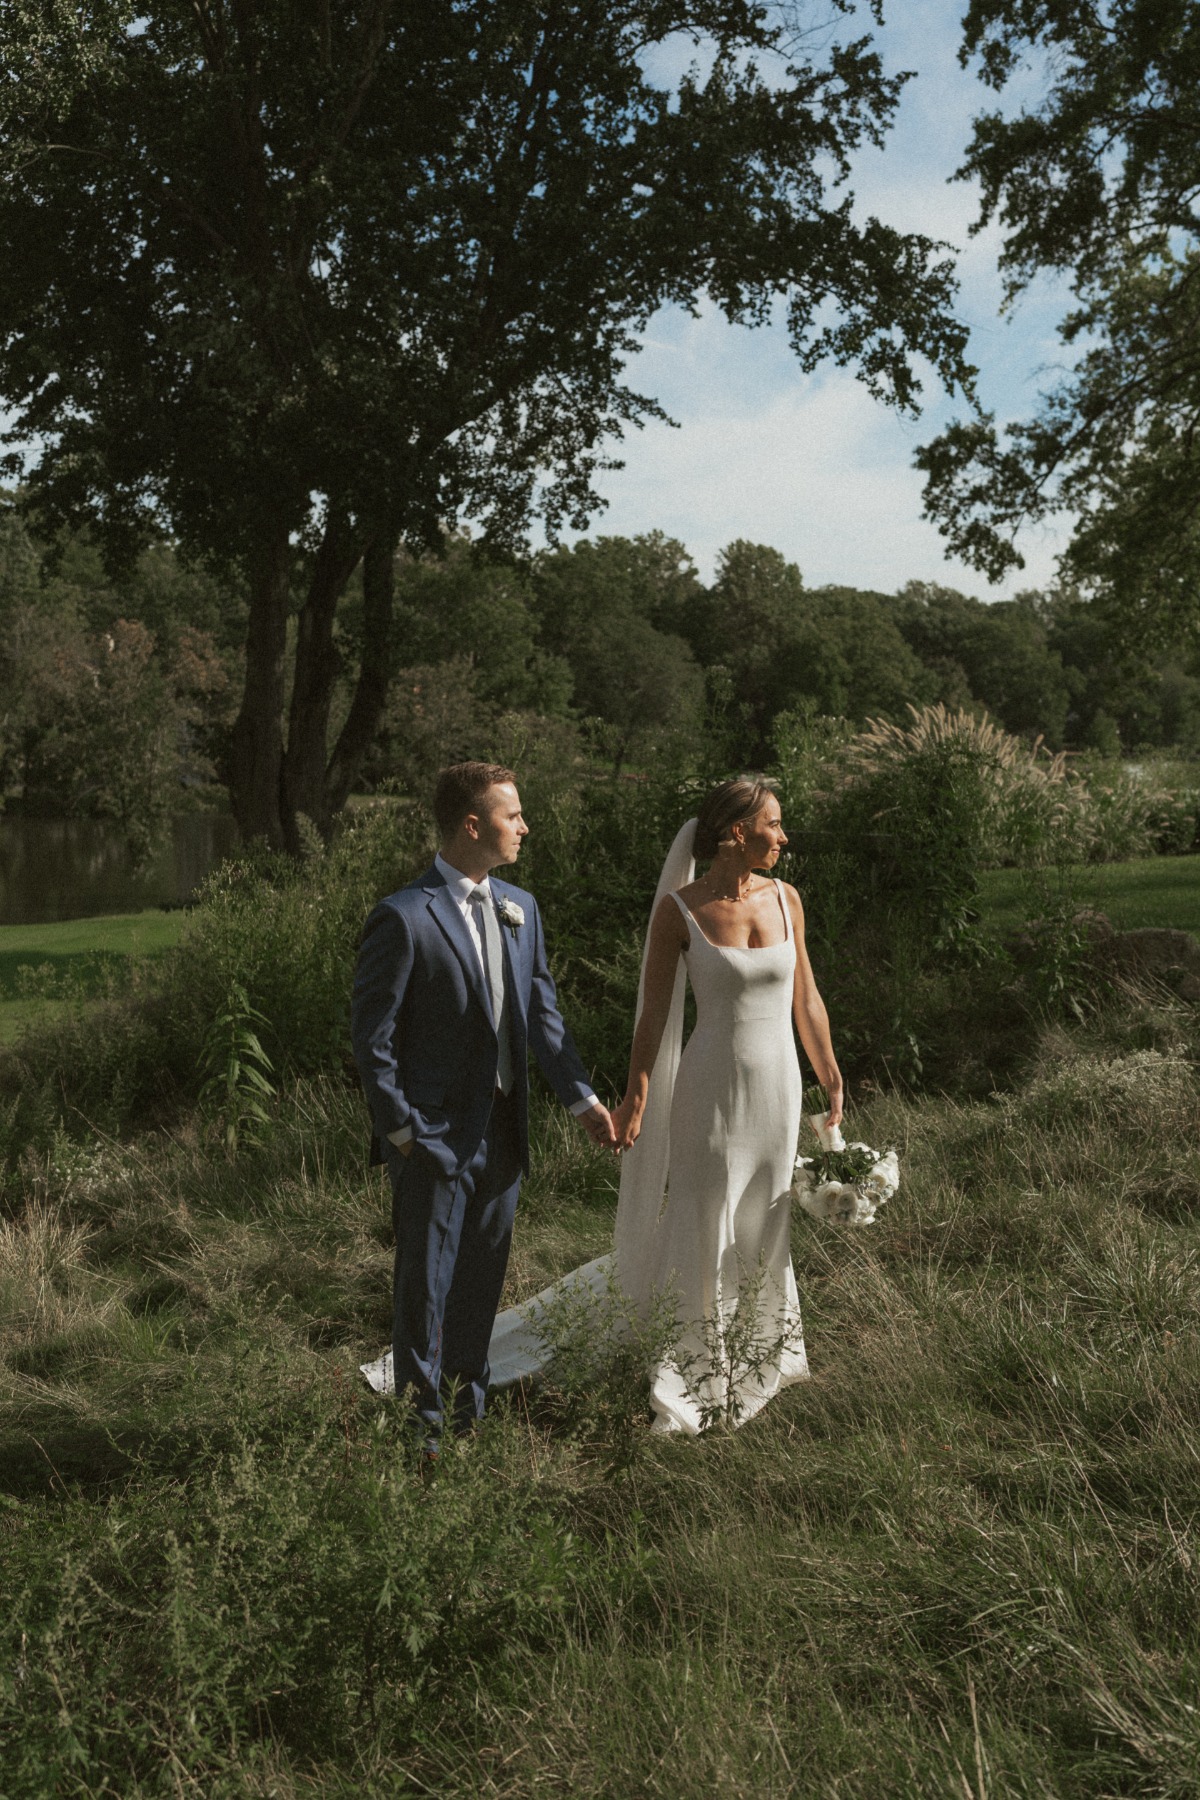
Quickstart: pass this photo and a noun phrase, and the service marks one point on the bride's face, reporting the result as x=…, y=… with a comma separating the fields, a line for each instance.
x=763, y=835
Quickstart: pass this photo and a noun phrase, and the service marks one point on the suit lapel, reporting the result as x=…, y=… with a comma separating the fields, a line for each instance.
x=445, y=911
x=512, y=974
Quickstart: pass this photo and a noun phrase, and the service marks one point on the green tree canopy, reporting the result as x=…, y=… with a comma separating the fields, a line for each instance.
x=600, y=605
x=51, y=49
x=856, y=663
x=780, y=643
x=463, y=606
x=747, y=627
x=307, y=282
x=1098, y=181
x=1001, y=651
x=1121, y=695
x=101, y=713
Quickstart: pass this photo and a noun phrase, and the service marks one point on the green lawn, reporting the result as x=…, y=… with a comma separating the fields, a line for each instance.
x=1160, y=890
x=76, y=951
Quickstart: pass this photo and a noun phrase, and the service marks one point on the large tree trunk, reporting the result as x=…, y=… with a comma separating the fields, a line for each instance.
x=256, y=750
x=270, y=786
x=315, y=677
x=370, y=695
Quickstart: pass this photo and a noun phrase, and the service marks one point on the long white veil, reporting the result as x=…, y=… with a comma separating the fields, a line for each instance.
x=516, y=1350
x=644, y=1168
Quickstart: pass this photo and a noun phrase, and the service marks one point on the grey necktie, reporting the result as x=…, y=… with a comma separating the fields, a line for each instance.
x=493, y=965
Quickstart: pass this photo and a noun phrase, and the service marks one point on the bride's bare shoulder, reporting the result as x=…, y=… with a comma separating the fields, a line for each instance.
x=668, y=923
x=667, y=908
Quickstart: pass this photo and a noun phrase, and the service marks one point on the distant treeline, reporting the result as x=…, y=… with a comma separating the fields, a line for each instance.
x=118, y=693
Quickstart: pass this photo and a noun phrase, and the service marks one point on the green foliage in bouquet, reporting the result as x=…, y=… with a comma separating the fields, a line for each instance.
x=848, y=1166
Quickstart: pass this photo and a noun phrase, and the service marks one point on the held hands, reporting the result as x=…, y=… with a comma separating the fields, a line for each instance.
x=627, y=1122
x=597, y=1122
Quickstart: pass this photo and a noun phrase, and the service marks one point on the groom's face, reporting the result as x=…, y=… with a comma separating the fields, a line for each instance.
x=501, y=825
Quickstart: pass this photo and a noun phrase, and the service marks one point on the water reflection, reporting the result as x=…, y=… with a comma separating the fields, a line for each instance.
x=72, y=868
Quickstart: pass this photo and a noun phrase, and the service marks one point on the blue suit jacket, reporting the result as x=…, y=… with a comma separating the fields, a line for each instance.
x=421, y=1021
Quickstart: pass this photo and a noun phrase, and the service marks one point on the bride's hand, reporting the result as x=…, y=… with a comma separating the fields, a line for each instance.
x=627, y=1123
x=837, y=1097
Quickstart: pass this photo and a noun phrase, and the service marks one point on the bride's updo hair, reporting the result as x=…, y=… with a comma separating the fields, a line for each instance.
x=728, y=805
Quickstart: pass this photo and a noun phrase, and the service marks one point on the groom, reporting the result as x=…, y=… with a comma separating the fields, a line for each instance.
x=451, y=991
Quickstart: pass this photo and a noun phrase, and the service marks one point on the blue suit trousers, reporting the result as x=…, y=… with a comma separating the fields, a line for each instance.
x=452, y=1244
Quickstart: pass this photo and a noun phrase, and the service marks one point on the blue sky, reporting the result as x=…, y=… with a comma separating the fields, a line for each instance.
x=811, y=464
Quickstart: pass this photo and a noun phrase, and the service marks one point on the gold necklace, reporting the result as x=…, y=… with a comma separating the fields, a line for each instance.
x=734, y=899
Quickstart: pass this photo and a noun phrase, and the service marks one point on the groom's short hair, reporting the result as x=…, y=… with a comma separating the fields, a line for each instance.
x=460, y=790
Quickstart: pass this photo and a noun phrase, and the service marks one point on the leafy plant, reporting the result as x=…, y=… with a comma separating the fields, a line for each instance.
x=733, y=1349
x=599, y=1352
x=238, y=1071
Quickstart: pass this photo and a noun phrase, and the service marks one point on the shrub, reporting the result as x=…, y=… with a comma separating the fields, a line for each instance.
x=280, y=932
x=898, y=822
x=286, y=931
x=1037, y=808
x=1025, y=805
x=301, y=1593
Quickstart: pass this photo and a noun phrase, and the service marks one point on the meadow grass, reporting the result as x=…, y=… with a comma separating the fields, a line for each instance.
x=1154, y=890
x=73, y=956
x=961, y=1560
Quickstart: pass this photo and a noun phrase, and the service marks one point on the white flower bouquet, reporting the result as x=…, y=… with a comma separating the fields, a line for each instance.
x=844, y=1183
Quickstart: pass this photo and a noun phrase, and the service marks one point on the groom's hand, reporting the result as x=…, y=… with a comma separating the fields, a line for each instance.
x=597, y=1122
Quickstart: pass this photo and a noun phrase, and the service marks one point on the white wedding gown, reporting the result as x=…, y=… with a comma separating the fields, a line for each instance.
x=722, y=1243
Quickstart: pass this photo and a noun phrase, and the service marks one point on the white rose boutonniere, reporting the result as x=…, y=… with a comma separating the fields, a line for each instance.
x=511, y=914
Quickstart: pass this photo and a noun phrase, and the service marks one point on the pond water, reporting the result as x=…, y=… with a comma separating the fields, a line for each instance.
x=73, y=868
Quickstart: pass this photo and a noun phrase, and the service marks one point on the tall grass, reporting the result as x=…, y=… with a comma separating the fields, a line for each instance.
x=961, y=1560
x=1035, y=807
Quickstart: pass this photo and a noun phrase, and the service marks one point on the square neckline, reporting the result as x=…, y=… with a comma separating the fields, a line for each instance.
x=742, y=949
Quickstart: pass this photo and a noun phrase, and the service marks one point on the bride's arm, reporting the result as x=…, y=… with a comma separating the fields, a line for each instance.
x=812, y=1021
x=668, y=937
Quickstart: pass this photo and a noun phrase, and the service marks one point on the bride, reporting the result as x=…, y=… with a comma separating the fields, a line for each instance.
x=709, y=1135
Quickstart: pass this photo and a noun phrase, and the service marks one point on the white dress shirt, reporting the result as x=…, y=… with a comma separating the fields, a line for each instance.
x=461, y=888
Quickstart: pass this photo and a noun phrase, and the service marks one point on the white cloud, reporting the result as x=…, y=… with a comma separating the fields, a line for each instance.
x=817, y=469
